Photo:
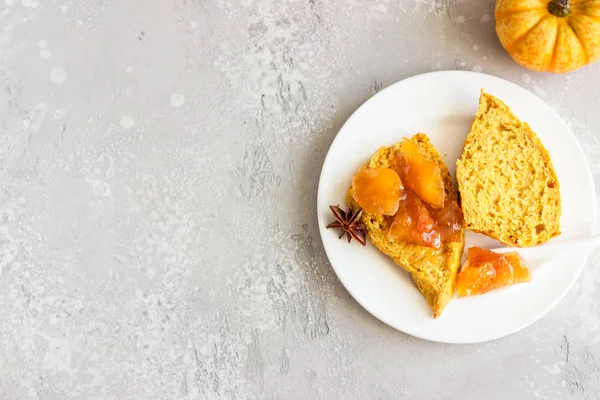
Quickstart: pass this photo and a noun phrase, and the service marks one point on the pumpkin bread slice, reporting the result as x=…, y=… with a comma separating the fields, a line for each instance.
x=508, y=186
x=433, y=271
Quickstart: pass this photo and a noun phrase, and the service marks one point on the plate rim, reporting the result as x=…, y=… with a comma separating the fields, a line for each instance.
x=578, y=148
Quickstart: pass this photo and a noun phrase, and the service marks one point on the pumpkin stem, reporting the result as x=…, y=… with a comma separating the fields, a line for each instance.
x=560, y=8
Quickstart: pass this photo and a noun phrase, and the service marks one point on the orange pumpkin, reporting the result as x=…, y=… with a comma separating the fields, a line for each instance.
x=550, y=35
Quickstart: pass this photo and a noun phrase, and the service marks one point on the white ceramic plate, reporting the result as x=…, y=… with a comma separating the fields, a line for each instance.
x=442, y=105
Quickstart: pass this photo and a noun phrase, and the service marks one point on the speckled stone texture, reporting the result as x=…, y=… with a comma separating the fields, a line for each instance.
x=158, y=175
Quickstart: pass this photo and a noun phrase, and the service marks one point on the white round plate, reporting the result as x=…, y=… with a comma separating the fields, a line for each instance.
x=443, y=105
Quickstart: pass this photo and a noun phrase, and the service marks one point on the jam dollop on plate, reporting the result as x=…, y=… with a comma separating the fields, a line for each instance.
x=486, y=270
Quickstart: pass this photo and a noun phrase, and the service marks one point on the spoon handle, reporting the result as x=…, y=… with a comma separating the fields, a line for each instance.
x=572, y=244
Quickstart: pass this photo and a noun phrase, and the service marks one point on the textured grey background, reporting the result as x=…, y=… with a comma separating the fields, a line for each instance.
x=159, y=162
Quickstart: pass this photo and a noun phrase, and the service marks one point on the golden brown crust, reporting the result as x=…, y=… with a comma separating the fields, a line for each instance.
x=433, y=271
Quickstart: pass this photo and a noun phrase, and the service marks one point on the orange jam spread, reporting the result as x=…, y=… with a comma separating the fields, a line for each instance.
x=378, y=190
x=450, y=222
x=419, y=175
x=413, y=192
x=486, y=270
x=413, y=224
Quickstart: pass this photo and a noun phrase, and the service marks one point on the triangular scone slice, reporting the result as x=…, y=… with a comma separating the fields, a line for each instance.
x=508, y=186
x=433, y=271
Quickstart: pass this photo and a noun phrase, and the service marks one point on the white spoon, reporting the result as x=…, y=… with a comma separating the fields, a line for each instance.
x=553, y=250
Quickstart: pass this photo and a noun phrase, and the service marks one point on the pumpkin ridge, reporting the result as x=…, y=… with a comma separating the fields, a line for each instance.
x=582, y=14
x=552, y=62
x=585, y=53
x=505, y=14
x=511, y=46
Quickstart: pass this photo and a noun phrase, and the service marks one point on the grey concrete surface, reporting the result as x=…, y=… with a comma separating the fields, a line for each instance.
x=158, y=172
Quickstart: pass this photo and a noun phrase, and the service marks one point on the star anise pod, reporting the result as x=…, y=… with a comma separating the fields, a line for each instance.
x=349, y=223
